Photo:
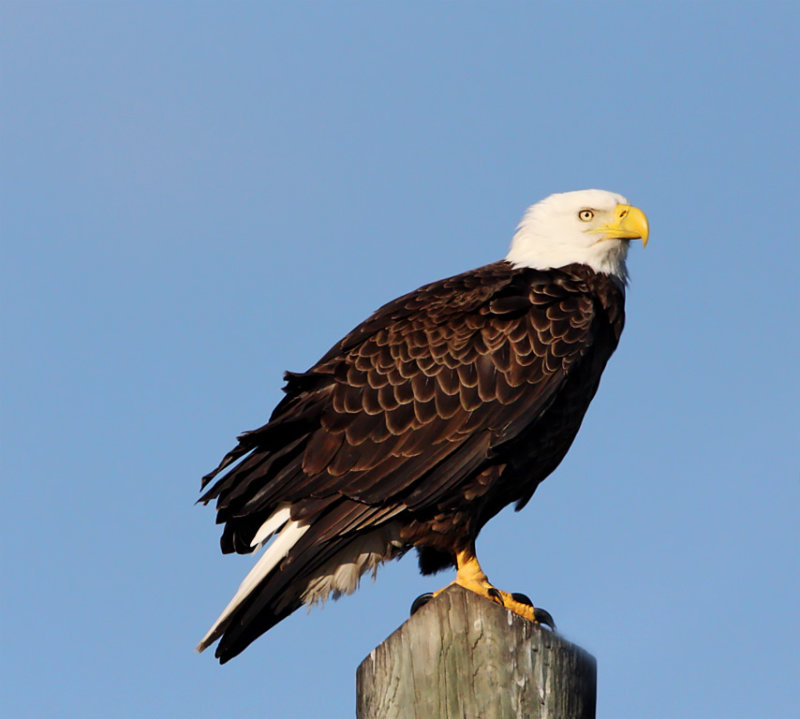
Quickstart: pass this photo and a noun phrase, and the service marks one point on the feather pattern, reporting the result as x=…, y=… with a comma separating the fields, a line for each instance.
x=440, y=409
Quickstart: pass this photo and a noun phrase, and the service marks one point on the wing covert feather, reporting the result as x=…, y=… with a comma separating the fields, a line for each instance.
x=416, y=399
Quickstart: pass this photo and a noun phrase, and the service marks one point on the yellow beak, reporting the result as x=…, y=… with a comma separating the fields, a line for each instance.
x=630, y=223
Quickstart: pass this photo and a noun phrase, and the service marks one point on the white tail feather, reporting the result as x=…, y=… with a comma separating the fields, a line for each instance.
x=288, y=537
x=276, y=520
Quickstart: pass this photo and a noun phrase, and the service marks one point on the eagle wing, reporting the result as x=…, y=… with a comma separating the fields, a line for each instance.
x=392, y=424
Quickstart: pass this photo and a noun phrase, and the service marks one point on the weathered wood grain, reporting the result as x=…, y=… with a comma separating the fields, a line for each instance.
x=462, y=656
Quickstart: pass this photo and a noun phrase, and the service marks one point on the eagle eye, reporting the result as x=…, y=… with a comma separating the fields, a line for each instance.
x=585, y=215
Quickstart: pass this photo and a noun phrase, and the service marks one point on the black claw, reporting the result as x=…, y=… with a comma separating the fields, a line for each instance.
x=541, y=615
x=495, y=594
x=420, y=602
x=544, y=617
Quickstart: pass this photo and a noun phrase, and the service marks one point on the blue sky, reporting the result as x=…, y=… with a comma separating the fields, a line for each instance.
x=197, y=197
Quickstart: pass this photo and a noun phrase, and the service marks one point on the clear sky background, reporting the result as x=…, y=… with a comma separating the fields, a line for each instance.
x=196, y=197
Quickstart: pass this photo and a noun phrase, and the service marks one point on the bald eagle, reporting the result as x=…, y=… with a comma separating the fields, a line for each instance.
x=431, y=416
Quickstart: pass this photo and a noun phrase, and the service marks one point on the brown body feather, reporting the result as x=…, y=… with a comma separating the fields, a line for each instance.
x=439, y=410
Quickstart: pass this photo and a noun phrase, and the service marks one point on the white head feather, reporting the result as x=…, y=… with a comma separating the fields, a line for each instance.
x=551, y=234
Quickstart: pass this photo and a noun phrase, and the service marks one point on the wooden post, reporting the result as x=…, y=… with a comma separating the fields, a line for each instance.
x=464, y=657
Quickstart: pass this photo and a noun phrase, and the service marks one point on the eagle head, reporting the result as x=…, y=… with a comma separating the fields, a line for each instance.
x=589, y=227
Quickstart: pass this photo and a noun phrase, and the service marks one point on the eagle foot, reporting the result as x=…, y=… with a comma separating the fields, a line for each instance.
x=517, y=599
x=471, y=577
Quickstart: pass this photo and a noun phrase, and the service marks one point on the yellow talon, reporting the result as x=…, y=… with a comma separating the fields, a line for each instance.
x=472, y=577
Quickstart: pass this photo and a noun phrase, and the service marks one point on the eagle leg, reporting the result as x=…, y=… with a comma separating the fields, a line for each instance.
x=472, y=577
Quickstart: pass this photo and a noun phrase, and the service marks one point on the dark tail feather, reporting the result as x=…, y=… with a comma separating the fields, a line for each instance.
x=279, y=595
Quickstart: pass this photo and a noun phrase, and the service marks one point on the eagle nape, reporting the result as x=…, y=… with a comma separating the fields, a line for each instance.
x=471, y=576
